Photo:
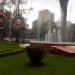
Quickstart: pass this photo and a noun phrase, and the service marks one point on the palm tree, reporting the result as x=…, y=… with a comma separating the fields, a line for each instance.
x=63, y=6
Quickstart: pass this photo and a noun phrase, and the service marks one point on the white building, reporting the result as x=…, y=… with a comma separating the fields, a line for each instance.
x=46, y=20
x=43, y=17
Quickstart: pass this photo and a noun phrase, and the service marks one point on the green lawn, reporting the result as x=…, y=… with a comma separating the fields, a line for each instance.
x=7, y=46
x=55, y=65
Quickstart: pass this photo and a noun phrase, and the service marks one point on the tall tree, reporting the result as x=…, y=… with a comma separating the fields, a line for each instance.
x=18, y=12
x=63, y=6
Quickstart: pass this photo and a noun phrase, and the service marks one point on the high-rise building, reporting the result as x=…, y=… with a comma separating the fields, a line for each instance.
x=45, y=22
x=44, y=16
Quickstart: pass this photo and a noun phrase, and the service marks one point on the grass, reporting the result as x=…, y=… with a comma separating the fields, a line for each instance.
x=7, y=46
x=55, y=65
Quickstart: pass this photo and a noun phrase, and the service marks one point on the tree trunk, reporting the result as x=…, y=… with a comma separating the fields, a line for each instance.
x=63, y=5
x=17, y=36
x=63, y=26
x=18, y=6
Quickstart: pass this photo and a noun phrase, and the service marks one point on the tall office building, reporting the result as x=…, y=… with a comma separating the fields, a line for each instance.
x=44, y=16
x=45, y=22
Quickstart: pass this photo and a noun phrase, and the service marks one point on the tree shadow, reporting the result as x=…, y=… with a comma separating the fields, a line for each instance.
x=29, y=64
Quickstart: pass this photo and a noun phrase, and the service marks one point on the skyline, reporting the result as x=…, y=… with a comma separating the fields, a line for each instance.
x=54, y=7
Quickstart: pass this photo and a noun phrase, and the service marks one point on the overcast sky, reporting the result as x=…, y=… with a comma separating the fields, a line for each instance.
x=53, y=6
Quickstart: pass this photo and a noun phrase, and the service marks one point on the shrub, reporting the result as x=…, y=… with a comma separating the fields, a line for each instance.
x=36, y=53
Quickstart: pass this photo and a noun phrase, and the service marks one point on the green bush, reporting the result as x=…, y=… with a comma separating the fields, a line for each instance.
x=36, y=53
